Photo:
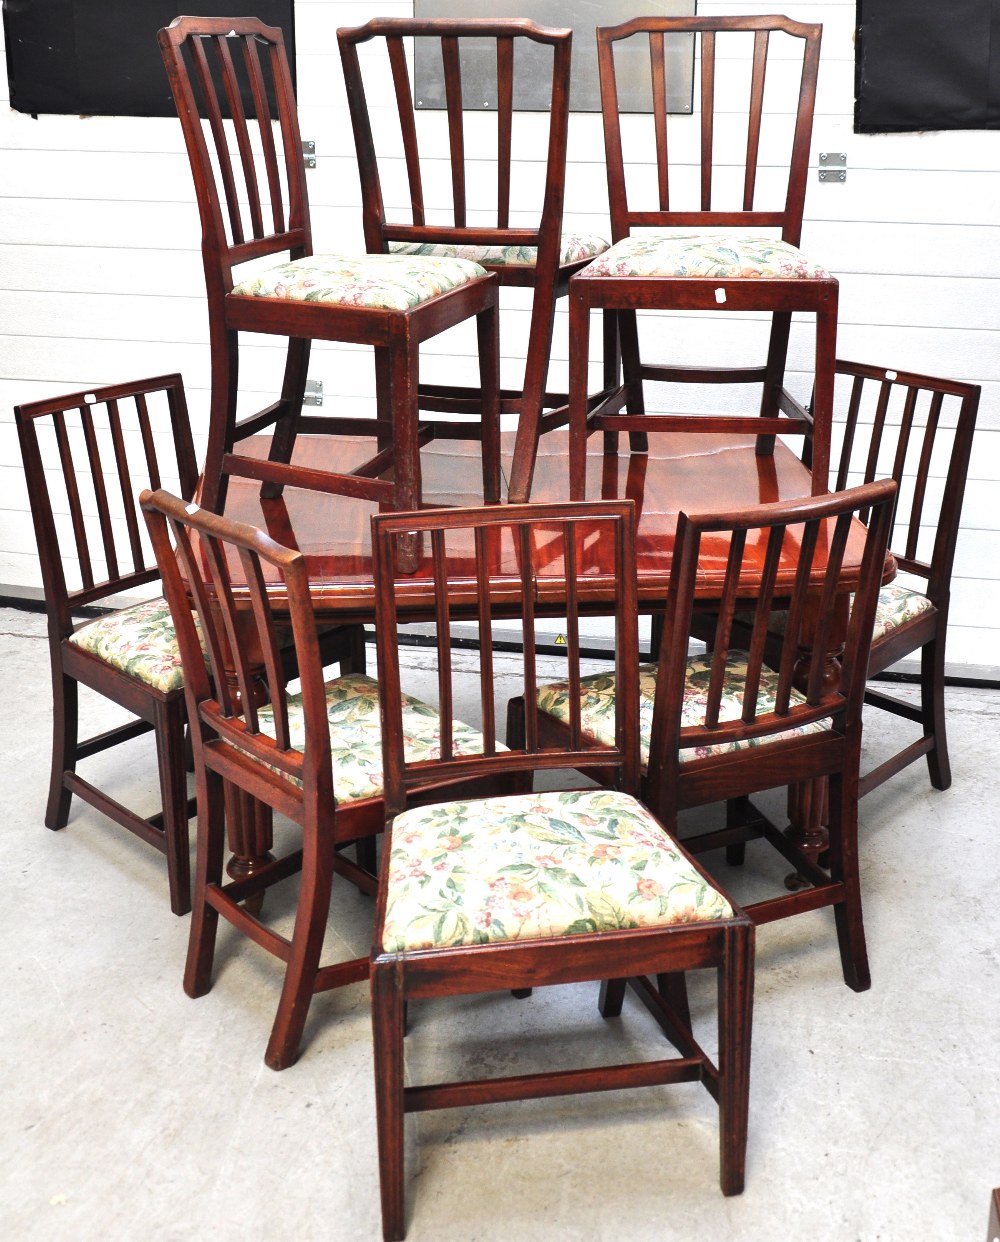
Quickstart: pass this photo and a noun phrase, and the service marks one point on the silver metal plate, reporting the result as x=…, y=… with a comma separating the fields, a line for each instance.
x=532, y=65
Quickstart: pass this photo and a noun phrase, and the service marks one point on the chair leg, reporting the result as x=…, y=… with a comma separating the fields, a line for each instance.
x=311, y=919
x=579, y=349
x=388, y=1024
x=65, y=725
x=222, y=415
x=635, y=401
x=515, y=734
x=487, y=333
x=211, y=846
x=170, y=758
x=735, y=1022
x=536, y=369
x=673, y=989
x=843, y=829
x=822, y=405
x=737, y=813
x=405, y=406
x=932, y=711
x=774, y=376
x=612, y=997
x=286, y=427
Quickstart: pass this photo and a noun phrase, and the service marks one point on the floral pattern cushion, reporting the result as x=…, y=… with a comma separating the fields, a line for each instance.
x=717, y=258
x=378, y=281
x=597, y=704
x=531, y=865
x=574, y=247
x=352, y=708
x=897, y=606
x=140, y=641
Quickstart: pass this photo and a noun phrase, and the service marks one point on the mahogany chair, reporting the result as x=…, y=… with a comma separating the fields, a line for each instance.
x=728, y=724
x=466, y=163
x=919, y=430
x=314, y=755
x=529, y=889
x=728, y=226
x=85, y=456
x=232, y=86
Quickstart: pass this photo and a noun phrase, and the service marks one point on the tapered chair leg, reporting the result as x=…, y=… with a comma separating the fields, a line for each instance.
x=208, y=871
x=843, y=821
x=170, y=759
x=222, y=415
x=388, y=1024
x=311, y=916
x=65, y=725
x=612, y=997
x=736, y=979
x=932, y=710
x=286, y=426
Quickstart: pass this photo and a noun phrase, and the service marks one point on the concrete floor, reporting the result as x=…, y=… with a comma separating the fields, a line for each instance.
x=130, y=1111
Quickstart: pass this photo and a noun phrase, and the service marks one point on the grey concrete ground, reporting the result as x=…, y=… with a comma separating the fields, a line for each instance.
x=129, y=1111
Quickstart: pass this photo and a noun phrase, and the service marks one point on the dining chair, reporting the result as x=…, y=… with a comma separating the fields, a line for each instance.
x=918, y=430
x=721, y=726
x=85, y=456
x=312, y=754
x=469, y=184
x=536, y=887
x=234, y=94
x=709, y=221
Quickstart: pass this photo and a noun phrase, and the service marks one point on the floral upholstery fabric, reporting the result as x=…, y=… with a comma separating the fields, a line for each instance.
x=531, y=865
x=574, y=247
x=597, y=704
x=352, y=708
x=378, y=281
x=897, y=606
x=717, y=258
x=140, y=641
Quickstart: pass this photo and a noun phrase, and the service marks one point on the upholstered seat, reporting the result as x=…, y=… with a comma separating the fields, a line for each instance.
x=897, y=606
x=352, y=709
x=140, y=641
x=376, y=281
x=573, y=248
x=536, y=865
x=597, y=704
x=729, y=257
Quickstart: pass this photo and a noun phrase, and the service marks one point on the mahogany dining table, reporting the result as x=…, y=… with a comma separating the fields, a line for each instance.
x=684, y=471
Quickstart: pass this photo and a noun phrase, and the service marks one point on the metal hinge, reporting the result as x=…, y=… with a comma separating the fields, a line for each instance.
x=309, y=154
x=833, y=166
x=314, y=393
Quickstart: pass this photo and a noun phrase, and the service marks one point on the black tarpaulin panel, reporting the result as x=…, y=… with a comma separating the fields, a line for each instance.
x=922, y=64
x=100, y=57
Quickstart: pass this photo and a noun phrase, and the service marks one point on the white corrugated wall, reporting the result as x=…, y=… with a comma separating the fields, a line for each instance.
x=100, y=271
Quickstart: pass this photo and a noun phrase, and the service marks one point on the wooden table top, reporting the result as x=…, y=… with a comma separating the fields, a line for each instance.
x=691, y=472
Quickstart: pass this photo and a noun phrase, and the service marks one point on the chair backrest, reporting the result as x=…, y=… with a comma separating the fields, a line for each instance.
x=788, y=556
x=195, y=550
x=740, y=156
x=917, y=430
x=231, y=81
x=513, y=565
x=468, y=156
x=87, y=455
